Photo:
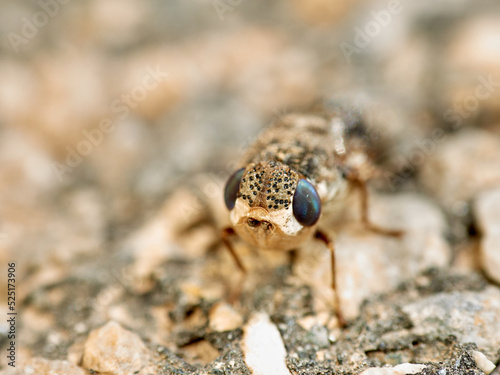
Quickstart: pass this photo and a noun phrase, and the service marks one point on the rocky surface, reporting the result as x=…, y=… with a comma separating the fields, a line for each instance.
x=462, y=166
x=120, y=122
x=488, y=217
x=112, y=349
x=40, y=366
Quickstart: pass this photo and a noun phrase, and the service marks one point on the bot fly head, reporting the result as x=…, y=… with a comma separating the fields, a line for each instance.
x=272, y=206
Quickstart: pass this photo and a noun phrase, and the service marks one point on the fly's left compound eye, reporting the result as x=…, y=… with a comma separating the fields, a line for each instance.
x=306, y=204
x=232, y=188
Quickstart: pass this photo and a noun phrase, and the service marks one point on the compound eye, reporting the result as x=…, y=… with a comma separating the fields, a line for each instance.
x=232, y=188
x=306, y=204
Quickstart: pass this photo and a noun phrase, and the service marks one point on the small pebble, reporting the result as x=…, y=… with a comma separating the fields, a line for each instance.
x=461, y=166
x=487, y=210
x=482, y=362
x=224, y=318
x=402, y=369
x=263, y=347
x=115, y=350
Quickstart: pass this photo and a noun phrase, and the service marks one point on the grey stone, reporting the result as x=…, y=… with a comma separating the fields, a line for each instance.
x=472, y=317
x=461, y=166
x=487, y=212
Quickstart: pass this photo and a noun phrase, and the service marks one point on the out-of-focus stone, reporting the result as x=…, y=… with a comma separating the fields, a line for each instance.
x=85, y=206
x=467, y=257
x=75, y=352
x=117, y=23
x=40, y=366
x=157, y=240
x=368, y=263
x=112, y=349
x=482, y=362
x=402, y=369
x=319, y=319
x=487, y=210
x=263, y=347
x=200, y=352
x=71, y=90
x=278, y=66
x=474, y=53
x=120, y=153
x=224, y=318
x=470, y=316
x=321, y=12
x=37, y=321
x=463, y=165
x=169, y=84
x=17, y=92
x=318, y=335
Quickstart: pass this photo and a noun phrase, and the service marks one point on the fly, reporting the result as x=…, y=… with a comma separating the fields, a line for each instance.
x=302, y=168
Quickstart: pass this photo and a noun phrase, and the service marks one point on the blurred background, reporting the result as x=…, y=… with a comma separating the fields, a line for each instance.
x=107, y=106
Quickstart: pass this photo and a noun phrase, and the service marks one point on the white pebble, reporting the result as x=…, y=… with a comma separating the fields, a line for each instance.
x=263, y=347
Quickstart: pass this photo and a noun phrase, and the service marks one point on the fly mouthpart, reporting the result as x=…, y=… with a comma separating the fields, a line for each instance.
x=252, y=222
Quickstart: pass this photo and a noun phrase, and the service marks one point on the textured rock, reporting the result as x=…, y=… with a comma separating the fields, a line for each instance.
x=369, y=263
x=263, y=347
x=40, y=366
x=200, y=352
x=163, y=238
x=473, y=52
x=112, y=349
x=402, y=369
x=462, y=166
x=224, y=318
x=482, y=362
x=470, y=316
x=487, y=211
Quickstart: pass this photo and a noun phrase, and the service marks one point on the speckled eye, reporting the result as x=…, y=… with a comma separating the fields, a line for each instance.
x=232, y=188
x=306, y=204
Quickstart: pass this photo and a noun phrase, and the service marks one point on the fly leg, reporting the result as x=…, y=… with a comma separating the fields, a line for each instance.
x=226, y=233
x=365, y=217
x=319, y=235
x=360, y=183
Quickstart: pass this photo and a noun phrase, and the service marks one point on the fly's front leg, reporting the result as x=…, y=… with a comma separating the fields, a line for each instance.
x=361, y=184
x=323, y=237
x=226, y=233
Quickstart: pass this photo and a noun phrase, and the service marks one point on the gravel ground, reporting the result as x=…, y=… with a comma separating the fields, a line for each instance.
x=120, y=122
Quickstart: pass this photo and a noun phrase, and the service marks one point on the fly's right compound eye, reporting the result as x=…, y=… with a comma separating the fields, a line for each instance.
x=232, y=188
